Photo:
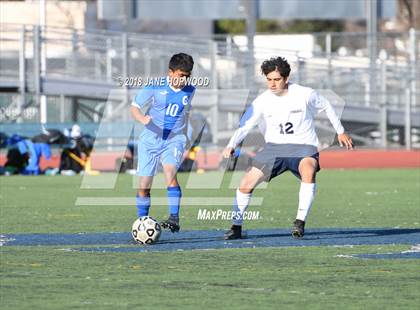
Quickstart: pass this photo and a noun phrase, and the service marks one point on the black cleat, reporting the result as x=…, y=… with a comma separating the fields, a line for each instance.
x=298, y=229
x=172, y=223
x=235, y=232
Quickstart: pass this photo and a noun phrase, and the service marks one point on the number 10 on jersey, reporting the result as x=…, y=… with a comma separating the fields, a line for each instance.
x=172, y=109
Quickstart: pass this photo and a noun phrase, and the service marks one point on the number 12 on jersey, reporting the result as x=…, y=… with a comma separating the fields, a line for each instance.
x=286, y=128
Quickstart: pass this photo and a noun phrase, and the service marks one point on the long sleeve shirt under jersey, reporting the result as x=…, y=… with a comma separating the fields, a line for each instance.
x=286, y=119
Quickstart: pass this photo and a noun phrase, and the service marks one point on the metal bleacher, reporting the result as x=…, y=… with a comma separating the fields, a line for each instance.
x=79, y=72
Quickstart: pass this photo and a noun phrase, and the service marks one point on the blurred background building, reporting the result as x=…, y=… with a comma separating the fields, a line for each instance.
x=62, y=62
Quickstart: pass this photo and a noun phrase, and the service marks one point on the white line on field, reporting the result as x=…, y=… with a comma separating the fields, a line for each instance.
x=160, y=201
x=4, y=240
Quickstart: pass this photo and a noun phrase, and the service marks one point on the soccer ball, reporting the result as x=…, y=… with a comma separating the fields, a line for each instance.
x=146, y=230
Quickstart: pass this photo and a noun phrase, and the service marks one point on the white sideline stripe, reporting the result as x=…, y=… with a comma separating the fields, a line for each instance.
x=187, y=201
x=414, y=249
x=4, y=240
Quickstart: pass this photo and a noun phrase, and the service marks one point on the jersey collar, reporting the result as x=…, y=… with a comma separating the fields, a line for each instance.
x=175, y=90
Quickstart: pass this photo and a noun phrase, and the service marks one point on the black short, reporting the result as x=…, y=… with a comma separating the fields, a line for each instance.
x=274, y=159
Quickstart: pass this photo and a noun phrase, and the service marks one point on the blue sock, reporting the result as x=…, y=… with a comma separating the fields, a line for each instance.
x=174, y=198
x=143, y=205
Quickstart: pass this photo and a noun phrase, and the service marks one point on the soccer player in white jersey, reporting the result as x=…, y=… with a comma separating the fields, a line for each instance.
x=285, y=114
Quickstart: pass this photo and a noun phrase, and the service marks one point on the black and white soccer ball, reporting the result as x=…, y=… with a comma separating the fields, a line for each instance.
x=146, y=230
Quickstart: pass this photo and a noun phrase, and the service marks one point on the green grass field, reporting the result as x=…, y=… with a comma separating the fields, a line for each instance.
x=52, y=277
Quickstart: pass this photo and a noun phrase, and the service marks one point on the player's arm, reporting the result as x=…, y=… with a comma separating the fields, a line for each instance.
x=144, y=97
x=321, y=103
x=345, y=140
x=249, y=120
x=139, y=116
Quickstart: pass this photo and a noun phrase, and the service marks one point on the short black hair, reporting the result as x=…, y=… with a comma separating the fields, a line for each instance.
x=181, y=61
x=276, y=63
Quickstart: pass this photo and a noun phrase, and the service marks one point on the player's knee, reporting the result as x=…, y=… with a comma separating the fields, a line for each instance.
x=308, y=169
x=144, y=192
x=172, y=182
x=308, y=174
x=308, y=166
x=251, y=179
x=308, y=178
x=246, y=186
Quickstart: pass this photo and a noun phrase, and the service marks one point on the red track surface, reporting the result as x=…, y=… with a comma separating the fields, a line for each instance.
x=370, y=159
x=329, y=160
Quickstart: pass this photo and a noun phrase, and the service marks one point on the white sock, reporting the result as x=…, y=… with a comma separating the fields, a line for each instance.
x=306, y=197
x=239, y=207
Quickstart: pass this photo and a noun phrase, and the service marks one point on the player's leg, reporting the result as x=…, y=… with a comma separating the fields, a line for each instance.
x=143, y=195
x=147, y=155
x=172, y=157
x=174, y=194
x=243, y=196
x=265, y=166
x=308, y=168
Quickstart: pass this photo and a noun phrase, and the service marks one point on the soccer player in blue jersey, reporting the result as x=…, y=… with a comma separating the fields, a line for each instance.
x=163, y=138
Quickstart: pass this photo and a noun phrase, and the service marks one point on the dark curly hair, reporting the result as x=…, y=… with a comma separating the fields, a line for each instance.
x=181, y=61
x=276, y=63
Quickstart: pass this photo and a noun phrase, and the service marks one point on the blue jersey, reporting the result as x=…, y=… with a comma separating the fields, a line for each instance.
x=35, y=150
x=168, y=107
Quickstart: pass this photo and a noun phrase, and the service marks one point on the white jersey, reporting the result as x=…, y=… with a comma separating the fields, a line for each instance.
x=287, y=119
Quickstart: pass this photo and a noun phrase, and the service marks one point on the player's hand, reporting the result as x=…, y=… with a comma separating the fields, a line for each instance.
x=146, y=119
x=227, y=152
x=346, y=141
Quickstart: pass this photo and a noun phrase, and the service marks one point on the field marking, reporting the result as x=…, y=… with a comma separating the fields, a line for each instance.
x=397, y=255
x=162, y=201
x=412, y=253
x=4, y=240
x=213, y=239
x=415, y=248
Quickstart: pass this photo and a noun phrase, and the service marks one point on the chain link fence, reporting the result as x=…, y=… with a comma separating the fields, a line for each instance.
x=31, y=56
